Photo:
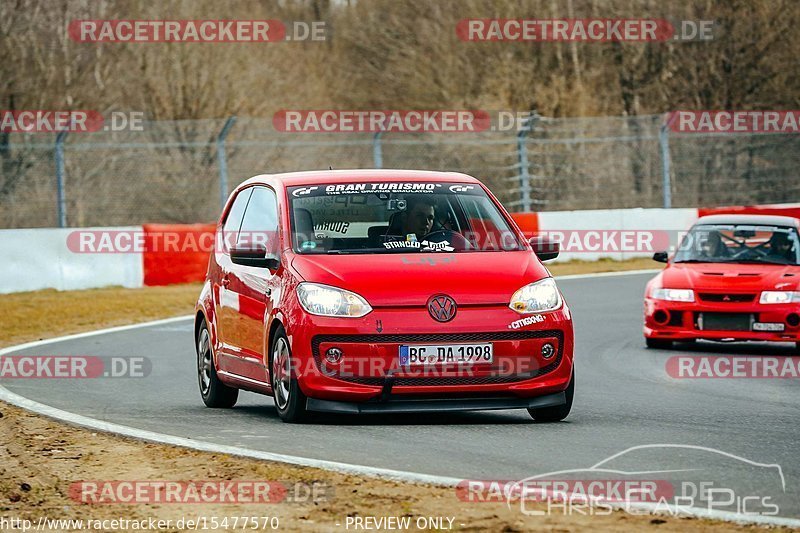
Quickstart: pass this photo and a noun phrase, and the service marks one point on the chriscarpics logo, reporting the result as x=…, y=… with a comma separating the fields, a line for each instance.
x=670, y=479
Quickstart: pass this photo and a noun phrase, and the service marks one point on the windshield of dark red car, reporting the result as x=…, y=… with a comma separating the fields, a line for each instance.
x=740, y=243
x=397, y=217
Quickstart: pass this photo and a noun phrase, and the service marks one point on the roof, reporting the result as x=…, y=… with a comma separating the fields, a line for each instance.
x=760, y=220
x=314, y=177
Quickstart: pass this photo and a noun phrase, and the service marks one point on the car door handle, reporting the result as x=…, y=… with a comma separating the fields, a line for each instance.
x=226, y=281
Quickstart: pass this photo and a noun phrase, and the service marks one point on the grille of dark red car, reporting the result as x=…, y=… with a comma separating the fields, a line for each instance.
x=444, y=338
x=724, y=321
x=726, y=298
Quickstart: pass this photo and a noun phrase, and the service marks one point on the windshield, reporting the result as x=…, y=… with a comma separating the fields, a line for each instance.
x=368, y=218
x=740, y=244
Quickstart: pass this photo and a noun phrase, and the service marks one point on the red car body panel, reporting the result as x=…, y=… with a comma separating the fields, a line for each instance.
x=724, y=288
x=243, y=305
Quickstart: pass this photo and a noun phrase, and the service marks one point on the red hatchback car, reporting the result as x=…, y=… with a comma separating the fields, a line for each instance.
x=367, y=291
x=733, y=278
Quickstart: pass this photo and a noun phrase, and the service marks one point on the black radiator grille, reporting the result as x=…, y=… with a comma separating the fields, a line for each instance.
x=413, y=381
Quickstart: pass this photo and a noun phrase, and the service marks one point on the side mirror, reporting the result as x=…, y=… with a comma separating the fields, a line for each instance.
x=661, y=257
x=254, y=255
x=545, y=249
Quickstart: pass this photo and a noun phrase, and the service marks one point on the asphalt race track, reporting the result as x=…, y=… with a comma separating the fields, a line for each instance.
x=624, y=398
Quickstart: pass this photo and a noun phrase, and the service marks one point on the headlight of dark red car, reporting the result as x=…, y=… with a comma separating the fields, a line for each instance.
x=673, y=295
x=779, y=297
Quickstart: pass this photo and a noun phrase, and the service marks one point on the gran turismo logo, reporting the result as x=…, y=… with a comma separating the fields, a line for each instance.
x=461, y=188
x=303, y=191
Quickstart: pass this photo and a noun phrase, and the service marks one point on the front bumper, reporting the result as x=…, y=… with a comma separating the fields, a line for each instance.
x=393, y=405
x=680, y=321
x=369, y=369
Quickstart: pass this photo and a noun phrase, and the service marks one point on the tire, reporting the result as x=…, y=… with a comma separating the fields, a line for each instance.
x=214, y=392
x=558, y=412
x=659, y=344
x=290, y=402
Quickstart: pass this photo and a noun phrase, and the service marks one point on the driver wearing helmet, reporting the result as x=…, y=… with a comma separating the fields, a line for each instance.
x=780, y=247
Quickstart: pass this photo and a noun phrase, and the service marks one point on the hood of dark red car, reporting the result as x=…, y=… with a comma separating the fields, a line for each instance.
x=730, y=277
x=410, y=279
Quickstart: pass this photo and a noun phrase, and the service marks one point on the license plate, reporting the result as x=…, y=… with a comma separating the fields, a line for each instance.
x=768, y=326
x=436, y=354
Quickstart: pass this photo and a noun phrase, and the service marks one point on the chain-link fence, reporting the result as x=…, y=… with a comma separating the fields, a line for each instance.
x=181, y=171
x=617, y=162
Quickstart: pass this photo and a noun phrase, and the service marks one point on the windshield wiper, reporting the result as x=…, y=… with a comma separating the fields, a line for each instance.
x=764, y=260
x=697, y=261
x=367, y=251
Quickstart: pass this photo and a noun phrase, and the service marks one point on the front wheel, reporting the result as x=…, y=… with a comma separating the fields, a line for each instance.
x=558, y=412
x=214, y=392
x=290, y=402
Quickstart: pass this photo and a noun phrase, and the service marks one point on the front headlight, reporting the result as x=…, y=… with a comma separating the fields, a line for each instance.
x=779, y=297
x=536, y=297
x=324, y=300
x=673, y=295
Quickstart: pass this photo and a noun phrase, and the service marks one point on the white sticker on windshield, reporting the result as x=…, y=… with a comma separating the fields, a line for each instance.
x=443, y=246
x=424, y=246
x=363, y=188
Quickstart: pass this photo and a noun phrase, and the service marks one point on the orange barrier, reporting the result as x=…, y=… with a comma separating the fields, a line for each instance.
x=176, y=253
x=527, y=222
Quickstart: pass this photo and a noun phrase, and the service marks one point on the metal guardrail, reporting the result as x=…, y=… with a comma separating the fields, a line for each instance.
x=183, y=171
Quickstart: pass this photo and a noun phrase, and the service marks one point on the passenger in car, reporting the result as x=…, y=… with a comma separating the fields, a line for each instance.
x=712, y=246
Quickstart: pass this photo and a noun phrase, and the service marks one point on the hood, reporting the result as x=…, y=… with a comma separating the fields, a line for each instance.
x=731, y=277
x=410, y=279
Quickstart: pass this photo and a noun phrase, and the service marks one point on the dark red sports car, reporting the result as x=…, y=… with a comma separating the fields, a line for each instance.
x=733, y=278
x=380, y=291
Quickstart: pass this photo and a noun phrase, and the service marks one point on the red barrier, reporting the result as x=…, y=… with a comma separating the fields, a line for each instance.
x=176, y=253
x=527, y=222
x=788, y=210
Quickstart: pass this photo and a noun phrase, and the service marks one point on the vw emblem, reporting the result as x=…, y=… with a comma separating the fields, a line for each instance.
x=442, y=308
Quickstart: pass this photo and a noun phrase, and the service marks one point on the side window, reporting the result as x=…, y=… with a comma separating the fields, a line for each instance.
x=260, y=223
x=484, y=226
x=230, y=229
